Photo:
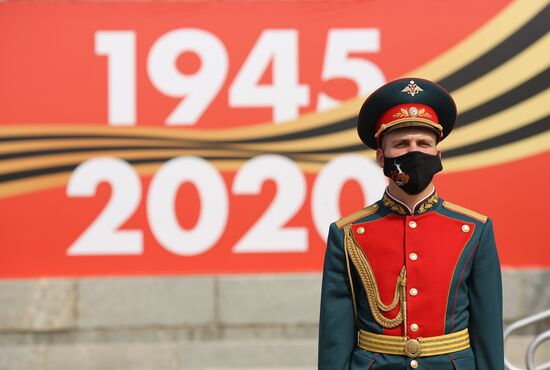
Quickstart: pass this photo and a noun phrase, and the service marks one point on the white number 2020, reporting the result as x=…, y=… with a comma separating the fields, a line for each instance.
x=269, y=234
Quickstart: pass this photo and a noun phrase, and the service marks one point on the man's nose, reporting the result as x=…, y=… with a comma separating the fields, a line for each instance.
x=412, y=147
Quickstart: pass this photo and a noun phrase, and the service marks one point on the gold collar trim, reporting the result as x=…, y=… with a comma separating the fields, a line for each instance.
x=401, y=208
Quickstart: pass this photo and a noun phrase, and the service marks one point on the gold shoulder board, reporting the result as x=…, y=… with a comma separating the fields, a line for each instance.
x=465, y=211
x=357, y=215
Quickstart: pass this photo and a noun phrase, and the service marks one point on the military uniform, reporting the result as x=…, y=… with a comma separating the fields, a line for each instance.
x=407, y=289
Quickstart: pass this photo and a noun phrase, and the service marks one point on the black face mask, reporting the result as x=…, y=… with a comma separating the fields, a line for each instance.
x=412, y=171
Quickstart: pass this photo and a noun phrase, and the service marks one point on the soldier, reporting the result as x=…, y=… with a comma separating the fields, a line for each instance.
x=410, y=281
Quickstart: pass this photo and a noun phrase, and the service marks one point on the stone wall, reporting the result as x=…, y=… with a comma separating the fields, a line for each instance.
x=211, y=322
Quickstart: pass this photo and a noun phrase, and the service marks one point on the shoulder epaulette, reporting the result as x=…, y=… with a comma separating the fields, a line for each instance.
x=465, y=211
x=357, y=215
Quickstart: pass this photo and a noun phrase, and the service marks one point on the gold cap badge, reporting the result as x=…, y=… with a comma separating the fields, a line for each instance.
x=412, y=89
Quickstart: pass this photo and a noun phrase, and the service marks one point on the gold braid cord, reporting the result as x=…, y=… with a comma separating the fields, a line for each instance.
x=364, y=269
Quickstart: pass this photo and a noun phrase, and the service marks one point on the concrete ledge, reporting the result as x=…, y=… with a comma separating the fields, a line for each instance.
x=21, y=358
x=525, y=292
x=184, y=355
x=37, y=305
x=244, y=322
x=248, y=354
x=272, y=299
x=138, y=302
x=112, y=356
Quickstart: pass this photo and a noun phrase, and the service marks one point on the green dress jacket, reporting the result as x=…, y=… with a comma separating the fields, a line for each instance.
x=439, y=263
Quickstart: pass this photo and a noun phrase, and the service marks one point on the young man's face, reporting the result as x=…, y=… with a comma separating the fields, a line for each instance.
x=404, y=140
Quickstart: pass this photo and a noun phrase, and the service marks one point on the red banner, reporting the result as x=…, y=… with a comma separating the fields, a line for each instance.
x=217, y=137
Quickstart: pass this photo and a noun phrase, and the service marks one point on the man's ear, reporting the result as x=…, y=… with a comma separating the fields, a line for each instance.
x=439, y=153
x=380, y=157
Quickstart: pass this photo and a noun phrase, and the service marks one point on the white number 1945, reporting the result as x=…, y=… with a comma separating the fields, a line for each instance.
x=275, y=47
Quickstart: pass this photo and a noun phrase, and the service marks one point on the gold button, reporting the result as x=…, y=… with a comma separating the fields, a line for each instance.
x=412, y=224
x=414, y=327
x=414, y=364
x=413, y=291
x=465, y=228
x=413, y=256
x=360, y=230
